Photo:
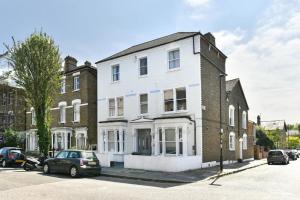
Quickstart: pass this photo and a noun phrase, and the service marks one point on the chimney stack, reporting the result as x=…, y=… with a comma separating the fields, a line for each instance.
x=258, y=120
x=70, y=63
x=87, y=63
x=210, y=37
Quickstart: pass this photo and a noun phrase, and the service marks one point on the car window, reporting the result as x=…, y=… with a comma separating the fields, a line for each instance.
x=275, y=153
x=63, y=154
x=15, y=151
x=74, y=154
x=88, y=155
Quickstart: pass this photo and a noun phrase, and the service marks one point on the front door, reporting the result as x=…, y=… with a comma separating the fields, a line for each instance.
x=144, y=141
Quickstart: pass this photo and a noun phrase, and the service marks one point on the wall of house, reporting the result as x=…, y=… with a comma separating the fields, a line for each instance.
x=212, y=64
x=159, y=78
x=236, y=99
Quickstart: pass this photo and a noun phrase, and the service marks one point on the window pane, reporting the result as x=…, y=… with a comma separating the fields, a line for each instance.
x=115, y=72
x=111, y=106
x=170, y=147
x=144, y=103
x=181, y=98
x=111, y=141
x=120, y=106
x=143, y=66
x=170, y=135
x=169, y=101
x=174, y=59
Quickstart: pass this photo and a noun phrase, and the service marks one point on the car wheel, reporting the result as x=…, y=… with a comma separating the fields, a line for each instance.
x=46, y=169
x=269, y=163
x=288, y=162
x=74, y=172
x=3, y=163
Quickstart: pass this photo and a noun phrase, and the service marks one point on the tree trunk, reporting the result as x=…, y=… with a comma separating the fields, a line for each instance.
x=43, y=131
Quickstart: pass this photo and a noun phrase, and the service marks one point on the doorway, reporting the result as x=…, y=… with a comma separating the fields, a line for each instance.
x=144, y=141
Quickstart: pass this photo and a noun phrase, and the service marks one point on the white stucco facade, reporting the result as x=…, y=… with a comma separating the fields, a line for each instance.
x=155, y=140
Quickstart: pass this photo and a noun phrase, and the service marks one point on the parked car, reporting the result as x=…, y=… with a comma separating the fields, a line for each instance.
x=11, y=156
x=277, y=156
x=292, y=154
x=73, y=162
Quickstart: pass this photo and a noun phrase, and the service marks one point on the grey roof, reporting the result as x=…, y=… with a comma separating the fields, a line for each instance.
x=230, y=84
x=150, y=44
x=273, y=125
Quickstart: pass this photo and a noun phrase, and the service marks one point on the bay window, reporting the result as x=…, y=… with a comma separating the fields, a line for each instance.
x=111, y=141
x=170, y=139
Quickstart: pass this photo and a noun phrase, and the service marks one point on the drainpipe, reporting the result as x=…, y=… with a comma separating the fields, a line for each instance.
x=195, y=136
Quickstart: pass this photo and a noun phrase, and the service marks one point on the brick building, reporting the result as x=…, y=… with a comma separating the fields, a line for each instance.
x=73, y=114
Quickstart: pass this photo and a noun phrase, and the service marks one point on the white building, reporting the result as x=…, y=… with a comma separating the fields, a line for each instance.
x=149, y=105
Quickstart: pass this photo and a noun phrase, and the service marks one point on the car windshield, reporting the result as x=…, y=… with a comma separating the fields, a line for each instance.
x=88, y=155
x=15, y=151
x=275, y=153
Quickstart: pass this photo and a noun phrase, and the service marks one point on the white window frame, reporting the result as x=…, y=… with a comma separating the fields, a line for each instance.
x=76, y=110
x=116, y=107
x=112, y=114
x=76, y=83
x=62, y=112
x=175, y=100
x=231, y=144
x=142, y=103
x=245, y=141
x=63, y=85
x=113, y=140
x=244, y=120
x=115, y=73
x=143, y=75
x=33, y=116
x=231, y=111
x=172, y=60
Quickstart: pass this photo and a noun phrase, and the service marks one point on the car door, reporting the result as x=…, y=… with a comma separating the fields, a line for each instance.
x=59, y=161
x=73, y=159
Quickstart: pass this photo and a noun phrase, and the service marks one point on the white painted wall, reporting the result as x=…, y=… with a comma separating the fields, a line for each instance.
x=159, y=78
x=163, y=163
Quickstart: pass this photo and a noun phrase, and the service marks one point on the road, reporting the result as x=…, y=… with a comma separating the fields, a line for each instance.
x=264, y=182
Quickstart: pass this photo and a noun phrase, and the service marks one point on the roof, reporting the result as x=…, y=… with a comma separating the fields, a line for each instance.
x=155, y=43
x=150, y=44
x=230, y=85
x=273, y=125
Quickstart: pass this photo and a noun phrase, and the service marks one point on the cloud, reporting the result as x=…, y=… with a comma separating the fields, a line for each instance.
x=197, y=3
x=268, y=62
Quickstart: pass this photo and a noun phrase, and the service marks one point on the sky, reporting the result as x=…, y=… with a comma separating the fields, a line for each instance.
x=261, y=38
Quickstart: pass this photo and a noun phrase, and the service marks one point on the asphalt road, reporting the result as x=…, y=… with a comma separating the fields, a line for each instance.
x=264, y=182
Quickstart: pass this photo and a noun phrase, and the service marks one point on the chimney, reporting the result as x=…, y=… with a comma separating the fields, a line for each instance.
x=258, y=120
x=87, y=63
x=70, y=63
x=210, y=37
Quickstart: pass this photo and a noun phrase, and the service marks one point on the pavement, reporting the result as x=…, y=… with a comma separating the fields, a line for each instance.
x=266, y=182
x=180, y=177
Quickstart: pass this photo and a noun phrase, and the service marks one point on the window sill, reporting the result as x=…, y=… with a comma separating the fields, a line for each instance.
x=231, y=149
x=115, y=117
x=76, y=90
x=143, y=76
x=74, y=122
x=115, y=82
x=175, y=112
x=174, y=69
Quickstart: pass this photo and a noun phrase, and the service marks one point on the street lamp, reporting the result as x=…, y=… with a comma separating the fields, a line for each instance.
x=221, y=129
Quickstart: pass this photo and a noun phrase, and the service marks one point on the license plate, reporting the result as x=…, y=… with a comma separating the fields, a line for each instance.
x=92, y=163
x=19, y=161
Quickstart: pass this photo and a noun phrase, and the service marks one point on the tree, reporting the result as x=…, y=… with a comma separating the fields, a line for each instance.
x=10, y=138
x=263, y=139
x=293, y=142
x=36, y=65
x=274, y=135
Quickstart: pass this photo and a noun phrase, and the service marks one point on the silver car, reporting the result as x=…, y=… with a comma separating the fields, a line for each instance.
x=277, y=156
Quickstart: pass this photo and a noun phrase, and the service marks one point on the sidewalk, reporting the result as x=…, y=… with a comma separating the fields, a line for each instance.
x=180, y=177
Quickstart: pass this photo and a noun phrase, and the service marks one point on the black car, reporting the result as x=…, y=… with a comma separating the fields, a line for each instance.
x=11, y=156
x=73, y=162
x=292, y=154
x=277, y=156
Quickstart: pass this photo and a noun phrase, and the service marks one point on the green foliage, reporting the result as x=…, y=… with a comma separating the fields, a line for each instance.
x=12, y=139
x=293, y=142
x=263, y=139
x=36, y=63
x=274, y=136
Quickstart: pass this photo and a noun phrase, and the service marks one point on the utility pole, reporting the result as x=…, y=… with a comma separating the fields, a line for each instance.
x=221, y=129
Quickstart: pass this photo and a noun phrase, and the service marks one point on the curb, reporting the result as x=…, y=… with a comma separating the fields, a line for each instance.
x=233, y=172
x=180, y=182
x=146, y=179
